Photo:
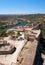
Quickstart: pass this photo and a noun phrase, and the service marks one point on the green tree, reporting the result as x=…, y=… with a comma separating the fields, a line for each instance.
x=18, y=34
x=2, y=32
x=11, y=32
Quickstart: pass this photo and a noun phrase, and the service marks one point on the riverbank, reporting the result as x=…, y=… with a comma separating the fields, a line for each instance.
x=20, y=23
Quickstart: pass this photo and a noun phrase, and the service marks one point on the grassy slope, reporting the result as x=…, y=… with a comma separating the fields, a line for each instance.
x=43, y=32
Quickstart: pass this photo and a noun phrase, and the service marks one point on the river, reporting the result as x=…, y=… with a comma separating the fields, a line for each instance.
x=21, y=23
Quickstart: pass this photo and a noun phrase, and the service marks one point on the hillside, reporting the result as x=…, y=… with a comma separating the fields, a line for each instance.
x=34, y=17
x=31, y=17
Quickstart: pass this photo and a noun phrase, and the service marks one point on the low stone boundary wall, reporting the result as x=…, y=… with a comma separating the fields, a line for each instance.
x=6, y=49
x=7, y=52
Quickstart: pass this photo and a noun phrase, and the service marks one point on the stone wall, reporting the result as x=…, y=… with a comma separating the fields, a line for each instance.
x=8, y=51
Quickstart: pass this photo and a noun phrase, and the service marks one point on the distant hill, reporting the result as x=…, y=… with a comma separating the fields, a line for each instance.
x=31, y=17
x=34, y=18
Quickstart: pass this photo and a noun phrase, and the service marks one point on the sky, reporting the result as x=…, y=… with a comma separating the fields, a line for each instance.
x=22, y=6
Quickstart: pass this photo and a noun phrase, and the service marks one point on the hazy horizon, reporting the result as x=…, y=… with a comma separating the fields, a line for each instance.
x=19, y=13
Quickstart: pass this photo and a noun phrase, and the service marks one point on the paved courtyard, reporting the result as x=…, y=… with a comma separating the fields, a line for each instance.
x=12, y=58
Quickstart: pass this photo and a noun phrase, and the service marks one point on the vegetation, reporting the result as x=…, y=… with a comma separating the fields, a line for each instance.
x=2, y=31
x=30, y=17
x=34, y=18
x=43, y=32
x=11, y=32
x=18, y=34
